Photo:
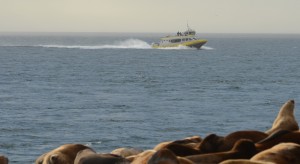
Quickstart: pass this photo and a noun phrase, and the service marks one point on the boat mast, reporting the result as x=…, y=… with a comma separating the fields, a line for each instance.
x=188, y=27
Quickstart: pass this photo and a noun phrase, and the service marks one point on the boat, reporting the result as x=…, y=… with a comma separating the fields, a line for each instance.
x=187, y=38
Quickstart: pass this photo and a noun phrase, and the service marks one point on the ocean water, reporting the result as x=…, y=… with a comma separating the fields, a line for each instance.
x=110, y=90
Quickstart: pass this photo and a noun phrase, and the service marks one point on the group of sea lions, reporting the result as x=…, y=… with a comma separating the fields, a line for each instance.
x=278, y=145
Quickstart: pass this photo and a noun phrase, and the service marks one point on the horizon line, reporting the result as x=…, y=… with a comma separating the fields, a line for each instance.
x=53, y=32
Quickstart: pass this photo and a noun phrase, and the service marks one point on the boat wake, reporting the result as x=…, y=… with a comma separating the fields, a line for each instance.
x=206, y=48
x=127, y=44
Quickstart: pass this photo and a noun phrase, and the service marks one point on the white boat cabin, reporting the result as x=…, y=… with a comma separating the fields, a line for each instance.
x=188, y=35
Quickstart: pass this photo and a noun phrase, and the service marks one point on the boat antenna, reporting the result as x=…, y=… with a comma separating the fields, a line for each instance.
x=187, y=24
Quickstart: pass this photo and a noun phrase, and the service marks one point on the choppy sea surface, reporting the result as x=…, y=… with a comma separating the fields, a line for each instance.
x=110, y=90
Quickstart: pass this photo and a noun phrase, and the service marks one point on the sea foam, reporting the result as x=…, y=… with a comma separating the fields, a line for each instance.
x=127, y=44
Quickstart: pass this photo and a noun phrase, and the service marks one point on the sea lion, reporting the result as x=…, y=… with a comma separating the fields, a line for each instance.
x=3, y=159
x=181, y=150
x=64, y=154
x=214, y=143
x=125, y=152
x=141, y=158
x=285, y=119
x=165, y=156
x=210, y=144
x=281, y=153
x=183, y=160
x=243, y=161
x=39, y=160
x=162, y=145
x=88, y=156
x=183, y=147
x=278, y=137
x=231, y=138
x=191, y=142
x=242, y=149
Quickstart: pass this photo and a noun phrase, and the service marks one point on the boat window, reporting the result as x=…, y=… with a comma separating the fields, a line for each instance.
x=175, y=40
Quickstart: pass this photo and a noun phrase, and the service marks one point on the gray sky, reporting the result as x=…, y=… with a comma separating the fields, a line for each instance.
x=205, y=16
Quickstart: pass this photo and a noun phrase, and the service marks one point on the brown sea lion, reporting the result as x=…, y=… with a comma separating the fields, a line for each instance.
x=184, y=147
x=214, y=143
x=183, y=160
x=88, y=156
x=285, y=153
x=278, y=137
x=141, y=158
x=125, y=152
x=181, y=150
x=40, y=159
x=285, y=119
x=64, y=154
x=3, y=159
x=191, y=142
x=230, y=139
x=242, y=149
x=210, y=144
x=162, y=145
x=243, y=161
x=165, y=156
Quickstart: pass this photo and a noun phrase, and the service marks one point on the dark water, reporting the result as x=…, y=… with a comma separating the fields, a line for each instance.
x=112, y=90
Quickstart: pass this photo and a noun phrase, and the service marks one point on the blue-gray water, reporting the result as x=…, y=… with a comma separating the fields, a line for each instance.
x=112, y=90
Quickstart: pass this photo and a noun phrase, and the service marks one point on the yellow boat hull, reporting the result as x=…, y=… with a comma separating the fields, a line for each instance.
x=194, y=44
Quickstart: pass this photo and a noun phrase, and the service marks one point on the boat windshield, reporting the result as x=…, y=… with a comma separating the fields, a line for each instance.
x=190, y=32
